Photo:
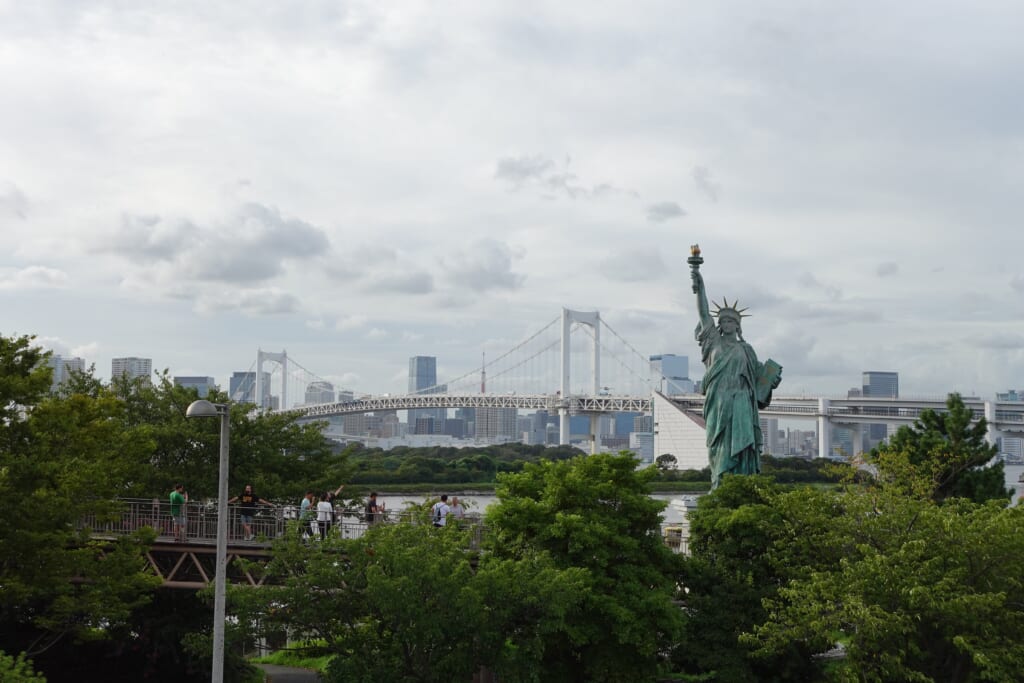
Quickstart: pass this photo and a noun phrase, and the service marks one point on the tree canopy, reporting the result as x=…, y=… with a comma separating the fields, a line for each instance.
x=943, y=455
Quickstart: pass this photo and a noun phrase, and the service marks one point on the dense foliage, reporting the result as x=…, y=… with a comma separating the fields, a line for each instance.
x=943, y=455
x=69, y=456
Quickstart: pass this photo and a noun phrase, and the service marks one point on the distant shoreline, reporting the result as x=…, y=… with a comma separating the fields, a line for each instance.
x=484, y=489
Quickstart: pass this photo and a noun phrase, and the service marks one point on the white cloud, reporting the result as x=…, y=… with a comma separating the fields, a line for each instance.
x=34, y=277
x=664, y=211
x=483, y=266
x=409, y=186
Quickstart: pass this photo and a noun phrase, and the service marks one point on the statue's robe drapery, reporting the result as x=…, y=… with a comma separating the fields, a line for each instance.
x=735, y=385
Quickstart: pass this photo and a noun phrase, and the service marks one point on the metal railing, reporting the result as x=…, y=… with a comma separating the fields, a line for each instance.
x=268, y=523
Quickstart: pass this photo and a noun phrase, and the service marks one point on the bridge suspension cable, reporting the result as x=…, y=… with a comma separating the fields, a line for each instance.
x=488, y=366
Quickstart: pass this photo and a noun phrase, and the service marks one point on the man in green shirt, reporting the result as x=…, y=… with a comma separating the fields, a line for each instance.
x=179, y=499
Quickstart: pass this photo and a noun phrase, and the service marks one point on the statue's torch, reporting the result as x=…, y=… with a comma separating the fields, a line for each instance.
x=695, y=260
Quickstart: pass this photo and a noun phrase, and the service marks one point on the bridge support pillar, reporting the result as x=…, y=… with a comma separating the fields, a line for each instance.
x=593, y=320
x=858, y=440
x=595, y=423
x=824, y=429
x=992, y=434
x=282, y=358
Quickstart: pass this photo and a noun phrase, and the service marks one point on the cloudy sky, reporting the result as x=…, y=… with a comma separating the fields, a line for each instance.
x=359, y=182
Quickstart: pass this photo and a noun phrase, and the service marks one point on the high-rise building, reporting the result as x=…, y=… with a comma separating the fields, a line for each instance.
x=242, y=388
x=132, y=368
x=643, y=423
x=468, y=416
x=422, y=373
x=671, y=373
x=881, y=384
x=423, y=380
x=319, y=392
x=202, y=385
x=771, y=441
x=498, y=424
x=455, y=427
x=62, y=369
x=878, y=385
x=624, y=423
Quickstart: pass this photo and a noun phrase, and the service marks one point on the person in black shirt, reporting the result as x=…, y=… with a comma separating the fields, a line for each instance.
x=247, y=508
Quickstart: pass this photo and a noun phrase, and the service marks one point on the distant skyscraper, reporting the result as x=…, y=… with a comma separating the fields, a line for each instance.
x=498, y=424
x=671, y=373
x=643, y=423
x=878, y=385
x=132, y=367
x=423, y=380
x=771, y=443
x=319, y=392
x=881, y=384
x=202, y=385
x=62, y=369
x=242, y=388
x=422, y=373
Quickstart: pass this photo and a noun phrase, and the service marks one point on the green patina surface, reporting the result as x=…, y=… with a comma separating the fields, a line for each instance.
x=735, y=384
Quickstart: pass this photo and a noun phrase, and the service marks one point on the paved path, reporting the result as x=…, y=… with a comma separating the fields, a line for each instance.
x=288, y=674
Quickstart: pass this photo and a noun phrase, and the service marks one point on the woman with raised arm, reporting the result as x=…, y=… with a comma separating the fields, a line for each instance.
x=735, y=384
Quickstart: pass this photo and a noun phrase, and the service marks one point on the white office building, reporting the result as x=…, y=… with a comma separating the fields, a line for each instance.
x=132, y=368
x=679, y=433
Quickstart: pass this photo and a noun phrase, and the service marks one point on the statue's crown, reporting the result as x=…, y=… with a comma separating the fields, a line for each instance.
x=730, y=310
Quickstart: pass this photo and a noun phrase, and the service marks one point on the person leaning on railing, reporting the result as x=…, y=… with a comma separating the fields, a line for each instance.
x=247, y=509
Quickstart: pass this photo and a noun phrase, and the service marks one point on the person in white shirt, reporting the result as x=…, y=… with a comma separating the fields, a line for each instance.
x=306, y=514
x=456, y=509
x=324, y=515
x=439, y=513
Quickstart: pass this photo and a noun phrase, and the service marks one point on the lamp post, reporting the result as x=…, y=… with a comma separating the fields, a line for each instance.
x=204, y=408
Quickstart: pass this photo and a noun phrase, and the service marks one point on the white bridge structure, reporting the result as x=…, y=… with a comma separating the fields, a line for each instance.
x=578, y=365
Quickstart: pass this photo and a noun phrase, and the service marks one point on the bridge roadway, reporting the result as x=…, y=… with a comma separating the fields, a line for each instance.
x=1003, y=416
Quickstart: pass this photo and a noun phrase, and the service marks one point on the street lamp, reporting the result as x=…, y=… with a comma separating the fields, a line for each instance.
x=203, y=408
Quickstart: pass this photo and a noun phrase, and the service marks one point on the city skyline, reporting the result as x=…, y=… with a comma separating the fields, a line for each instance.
x=362, y=184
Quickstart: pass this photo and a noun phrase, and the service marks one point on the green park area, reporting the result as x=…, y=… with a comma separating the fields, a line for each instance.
x=904, y=566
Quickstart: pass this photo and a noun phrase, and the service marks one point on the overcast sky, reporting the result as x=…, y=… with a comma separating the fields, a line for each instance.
x=359, y=182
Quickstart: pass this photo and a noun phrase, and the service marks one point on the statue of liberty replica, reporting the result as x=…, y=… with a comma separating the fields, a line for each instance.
x=735, y=384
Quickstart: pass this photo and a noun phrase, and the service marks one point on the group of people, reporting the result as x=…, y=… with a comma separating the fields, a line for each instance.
x=247, y=502
x=316, y=512
x=442, y=510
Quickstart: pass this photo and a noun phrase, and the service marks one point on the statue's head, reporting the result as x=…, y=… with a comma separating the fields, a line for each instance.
x=730, y=318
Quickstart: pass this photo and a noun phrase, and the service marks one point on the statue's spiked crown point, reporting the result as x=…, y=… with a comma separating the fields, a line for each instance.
x=725, y=309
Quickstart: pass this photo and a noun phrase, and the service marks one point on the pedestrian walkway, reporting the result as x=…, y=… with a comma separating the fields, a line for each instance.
x=288, y=674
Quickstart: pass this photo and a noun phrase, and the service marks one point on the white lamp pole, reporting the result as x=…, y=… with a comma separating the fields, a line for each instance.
x=204, y=408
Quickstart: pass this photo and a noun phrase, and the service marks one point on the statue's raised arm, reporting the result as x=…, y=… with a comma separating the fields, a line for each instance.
x=703, y=310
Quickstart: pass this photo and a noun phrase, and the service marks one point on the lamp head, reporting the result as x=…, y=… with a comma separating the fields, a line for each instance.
x=202, y=408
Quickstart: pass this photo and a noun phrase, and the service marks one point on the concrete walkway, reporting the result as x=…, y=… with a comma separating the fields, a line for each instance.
x=288, y=674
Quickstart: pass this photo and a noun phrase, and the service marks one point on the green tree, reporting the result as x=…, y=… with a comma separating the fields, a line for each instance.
x=61, y=461
x=943, y=455
x=18, y=669
x=731, y=571
x=914, y=591
x=666, y=461
x=594, y=514
x=405, y=603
